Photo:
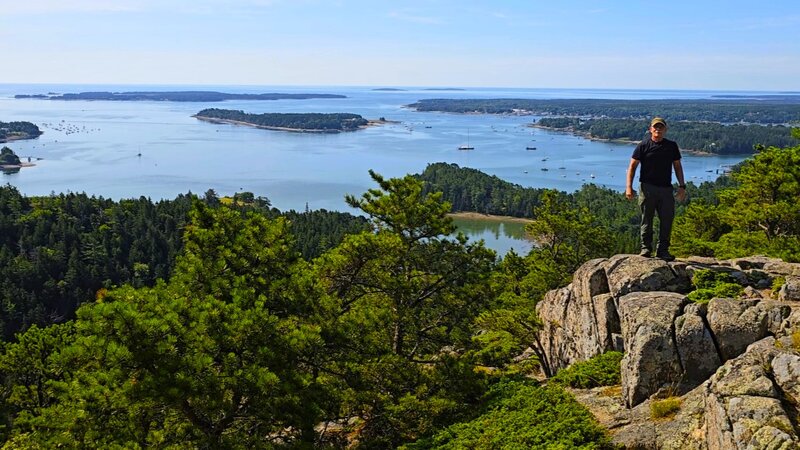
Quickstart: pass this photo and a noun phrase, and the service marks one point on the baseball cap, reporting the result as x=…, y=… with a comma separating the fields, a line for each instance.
x=658, y=120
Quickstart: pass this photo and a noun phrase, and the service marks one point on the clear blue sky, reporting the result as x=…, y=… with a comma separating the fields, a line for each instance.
x=671, y=44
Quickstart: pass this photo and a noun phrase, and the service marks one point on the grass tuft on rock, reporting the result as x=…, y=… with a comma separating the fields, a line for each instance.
x=666, y=408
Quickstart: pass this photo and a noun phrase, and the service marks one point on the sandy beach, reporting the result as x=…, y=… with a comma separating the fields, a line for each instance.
x=489, y=217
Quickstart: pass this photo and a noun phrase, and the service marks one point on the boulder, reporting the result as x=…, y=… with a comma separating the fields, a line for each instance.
x=697, y=350
x=590, y=279
x=737, y=323
x=630, y=273
x=790, y=291
x=556, y=343
x=743, y=404
x=778, y=267
x=651, y=359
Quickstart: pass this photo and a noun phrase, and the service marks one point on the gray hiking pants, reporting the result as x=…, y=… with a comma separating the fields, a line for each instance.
x=656, y=199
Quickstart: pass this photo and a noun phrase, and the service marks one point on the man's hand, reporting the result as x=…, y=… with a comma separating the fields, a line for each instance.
x=681, y=195
x=629, y=193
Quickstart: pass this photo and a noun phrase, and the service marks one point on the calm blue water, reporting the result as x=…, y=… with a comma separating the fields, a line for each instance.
x=92, y=146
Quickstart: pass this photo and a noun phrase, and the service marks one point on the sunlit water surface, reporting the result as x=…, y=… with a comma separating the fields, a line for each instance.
x=158, y=150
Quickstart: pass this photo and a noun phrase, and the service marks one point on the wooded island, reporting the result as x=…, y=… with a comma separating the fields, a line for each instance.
x=299, y=122
x=10, y=131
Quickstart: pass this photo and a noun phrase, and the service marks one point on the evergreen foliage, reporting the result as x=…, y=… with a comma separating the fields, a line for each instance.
x=472, y=190
x=709, y=284
x=521, y=414
x=407, y=295
x=294, y=121
x=57, y=251
x=777, y=109
x=18, y=130
x=202, y=325
x=758, y=214
x=567, y=236
x=602, y=370
x=215, y=358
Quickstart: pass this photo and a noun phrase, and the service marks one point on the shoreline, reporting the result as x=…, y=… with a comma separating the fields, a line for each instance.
x=8, y=139
x=487, y=217
x=15, y=166
x=291, y=130
x=589, y=137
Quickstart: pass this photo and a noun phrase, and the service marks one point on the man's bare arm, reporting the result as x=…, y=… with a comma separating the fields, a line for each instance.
x=681, y=182
x=631, y=173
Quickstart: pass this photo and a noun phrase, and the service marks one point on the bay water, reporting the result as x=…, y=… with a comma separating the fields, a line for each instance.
x=121, y=149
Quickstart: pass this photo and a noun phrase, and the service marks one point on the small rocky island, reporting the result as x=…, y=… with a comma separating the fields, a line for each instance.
x=10, y=162
x=12, y=131
x=174, y=96
x=297, y=122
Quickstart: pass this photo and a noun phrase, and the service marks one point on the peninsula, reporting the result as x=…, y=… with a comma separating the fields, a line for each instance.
x=12, y=131
x=775, y=110
x=296, y=122
x=175, y=96
x=700, y=137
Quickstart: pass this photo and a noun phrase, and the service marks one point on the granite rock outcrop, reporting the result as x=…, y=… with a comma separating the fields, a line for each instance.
x=733, y=362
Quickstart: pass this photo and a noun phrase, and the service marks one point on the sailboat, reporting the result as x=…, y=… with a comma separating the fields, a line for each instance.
x=466, y=147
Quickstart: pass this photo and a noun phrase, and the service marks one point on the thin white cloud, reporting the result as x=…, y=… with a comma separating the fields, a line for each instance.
x=106, y=6
x=426, y=20
x=61, y=6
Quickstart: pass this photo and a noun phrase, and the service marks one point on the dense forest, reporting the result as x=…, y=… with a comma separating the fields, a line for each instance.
x=471, y=190
x=331, y=122
x=770, y=110
x=700, y=136
x=18, y=130
x=175, y=96
x=57, y=251
x=403, y=335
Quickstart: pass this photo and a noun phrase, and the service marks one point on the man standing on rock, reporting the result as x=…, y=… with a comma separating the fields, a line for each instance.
x=658, y=156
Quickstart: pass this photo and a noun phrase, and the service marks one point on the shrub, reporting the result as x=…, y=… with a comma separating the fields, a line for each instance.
x=710, y=284
x=731, y=290
x=665, y=408
x=602, y=370
x=701, y=295
x=777, y=283
x=704, y=278
x=521, y=414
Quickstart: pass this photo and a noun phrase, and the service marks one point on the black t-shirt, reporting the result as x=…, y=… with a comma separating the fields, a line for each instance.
x=656, y=159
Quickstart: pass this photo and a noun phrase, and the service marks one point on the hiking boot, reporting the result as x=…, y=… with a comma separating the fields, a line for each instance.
x=645, y=252
x=666, y=257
